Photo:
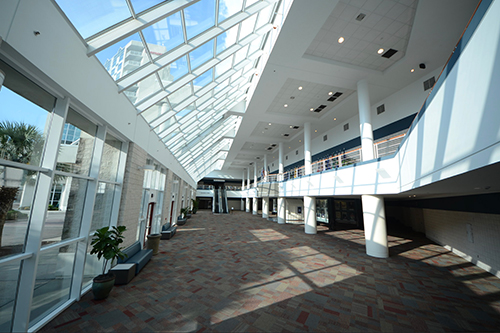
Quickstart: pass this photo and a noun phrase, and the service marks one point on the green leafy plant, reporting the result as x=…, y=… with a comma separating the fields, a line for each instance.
x=184, y=212
x=106, y=243
x=195, y=205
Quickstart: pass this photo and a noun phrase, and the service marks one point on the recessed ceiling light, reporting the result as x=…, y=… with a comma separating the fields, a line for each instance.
x=334, y=118
x=412, y=70
x=311, y=109
x=300, y=140
x=330, y=93
x=262, y=131
x=300, y=88
x=269, y=124
x=380, y=51
x=286, y=105
x=289, y=147
x=291, y=126
x=315, y=131
x=341, y=40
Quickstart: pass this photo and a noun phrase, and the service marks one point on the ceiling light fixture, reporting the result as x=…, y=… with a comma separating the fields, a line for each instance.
x=380, y=51
x=334, y=118
x=300, y=88
x=286, y=105
x=311, y=109
x=341, y=40
x=315, y=131
x=269, y=124
x=300, y=140
x=291, y=126
x=330, y=93
x=412, y=70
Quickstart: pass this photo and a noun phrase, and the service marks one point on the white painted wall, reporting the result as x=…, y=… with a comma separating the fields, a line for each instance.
x=291, y=207
x=60, y=54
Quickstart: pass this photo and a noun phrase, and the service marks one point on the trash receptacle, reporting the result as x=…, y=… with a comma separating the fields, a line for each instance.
x=154, y=243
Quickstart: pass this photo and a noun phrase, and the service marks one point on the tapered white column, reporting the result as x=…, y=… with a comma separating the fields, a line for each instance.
x=375, y=226
x=265, y=167
x=242, y=188
x=281, y=167
x=248, y=178
x=255, y=174
x=281, y=211
x=247, y=205
x=265, y=207
x=307, y=149
x=310, y=215
x=255, y=206
x=365, y=122
x=281, y=201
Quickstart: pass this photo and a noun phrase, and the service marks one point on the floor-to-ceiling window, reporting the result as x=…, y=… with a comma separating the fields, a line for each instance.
x=60, y=178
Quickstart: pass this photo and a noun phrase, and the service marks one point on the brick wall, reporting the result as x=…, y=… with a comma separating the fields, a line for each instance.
x=478, y=242
x=130, y=203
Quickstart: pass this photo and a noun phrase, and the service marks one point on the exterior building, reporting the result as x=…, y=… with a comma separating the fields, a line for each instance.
x=134, y=106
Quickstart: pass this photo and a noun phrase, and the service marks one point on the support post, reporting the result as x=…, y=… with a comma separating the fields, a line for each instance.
x=307, y=149
x=265, y=207
x=255, y=206
x=310, y=215
x=365, y=124
x=375, y=226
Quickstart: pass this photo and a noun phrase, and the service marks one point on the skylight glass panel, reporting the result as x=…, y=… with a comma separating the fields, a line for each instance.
x=223, y=66
x=92, y=16
x=163, y=122
x=156, y=110
x=264, y=16
x=240, y=55
x=123, y=57
x=184, y=112
x=201, y=54
x=202, y=80
x=248, y=67
x=255, y=45
x=247, y=26
x=174, y=71
x=228, y=8
x=189, y=128
x=179, y=95
x=188, y=118
x=199, y=17
x=165, y=35
x=223, y=84
x=203, y=98
x=142, y=5
x=170, y=135
x=250, y=2
x=226, y=39
x=147, y=87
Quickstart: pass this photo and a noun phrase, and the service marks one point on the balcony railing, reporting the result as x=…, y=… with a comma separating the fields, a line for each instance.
x=205, y=187
x=383, y=147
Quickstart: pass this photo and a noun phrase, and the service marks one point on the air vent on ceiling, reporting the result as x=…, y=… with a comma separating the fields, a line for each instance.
x=286, y=134
x=273, y=145
x=337, y=94
x=295, y=127
x=346, y=127
x=360, y=17
x=258, y=158
x=331, y=99
x=273, y=164
x=286, y=157
x=381, y=109
x=429, y=83
x=322, y=107
x=389, y=53
x=318, y=110
x=269, y=148
x=325, y=137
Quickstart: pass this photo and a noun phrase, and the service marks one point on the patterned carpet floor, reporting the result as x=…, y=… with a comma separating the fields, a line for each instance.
x=239, y=272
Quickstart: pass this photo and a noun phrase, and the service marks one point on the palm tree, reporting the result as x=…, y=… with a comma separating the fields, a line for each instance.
x=19, y=142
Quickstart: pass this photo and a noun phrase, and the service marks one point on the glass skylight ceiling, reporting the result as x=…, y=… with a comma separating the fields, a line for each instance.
x=183, y=64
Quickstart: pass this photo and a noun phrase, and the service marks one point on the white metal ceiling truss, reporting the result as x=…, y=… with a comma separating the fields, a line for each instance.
x=186, y=112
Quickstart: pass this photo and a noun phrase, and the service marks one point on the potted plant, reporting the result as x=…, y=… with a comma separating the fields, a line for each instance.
x=181, y=220
x=195, y=205
x=106, y=243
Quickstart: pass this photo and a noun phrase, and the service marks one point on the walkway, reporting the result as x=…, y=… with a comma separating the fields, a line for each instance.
x=242, y=273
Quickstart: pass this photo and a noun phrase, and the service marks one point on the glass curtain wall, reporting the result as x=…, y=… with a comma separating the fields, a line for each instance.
x=60, y=180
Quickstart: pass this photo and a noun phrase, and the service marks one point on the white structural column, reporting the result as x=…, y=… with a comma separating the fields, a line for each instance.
x=265, y=207
x=309, y=202
x=281, y=200
x=265, y=168
x=255, y=174
x=375, y=226
x=242, y=188
x=247, y=200
x=255, y=205
x=307, y=149
x=365, y=123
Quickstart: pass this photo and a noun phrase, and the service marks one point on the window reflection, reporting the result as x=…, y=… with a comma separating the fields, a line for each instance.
x=103, y=206
x=17, y=188
x=110, y=159
x=8, y=290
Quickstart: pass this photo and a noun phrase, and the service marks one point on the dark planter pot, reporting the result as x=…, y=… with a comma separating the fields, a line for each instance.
x=188, y=215
x=102, y=285
x=181, y=220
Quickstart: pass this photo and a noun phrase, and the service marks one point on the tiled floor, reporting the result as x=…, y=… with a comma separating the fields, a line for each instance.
x=239, y=272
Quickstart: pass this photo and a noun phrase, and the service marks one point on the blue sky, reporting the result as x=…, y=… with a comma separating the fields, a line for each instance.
x=16, y=108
